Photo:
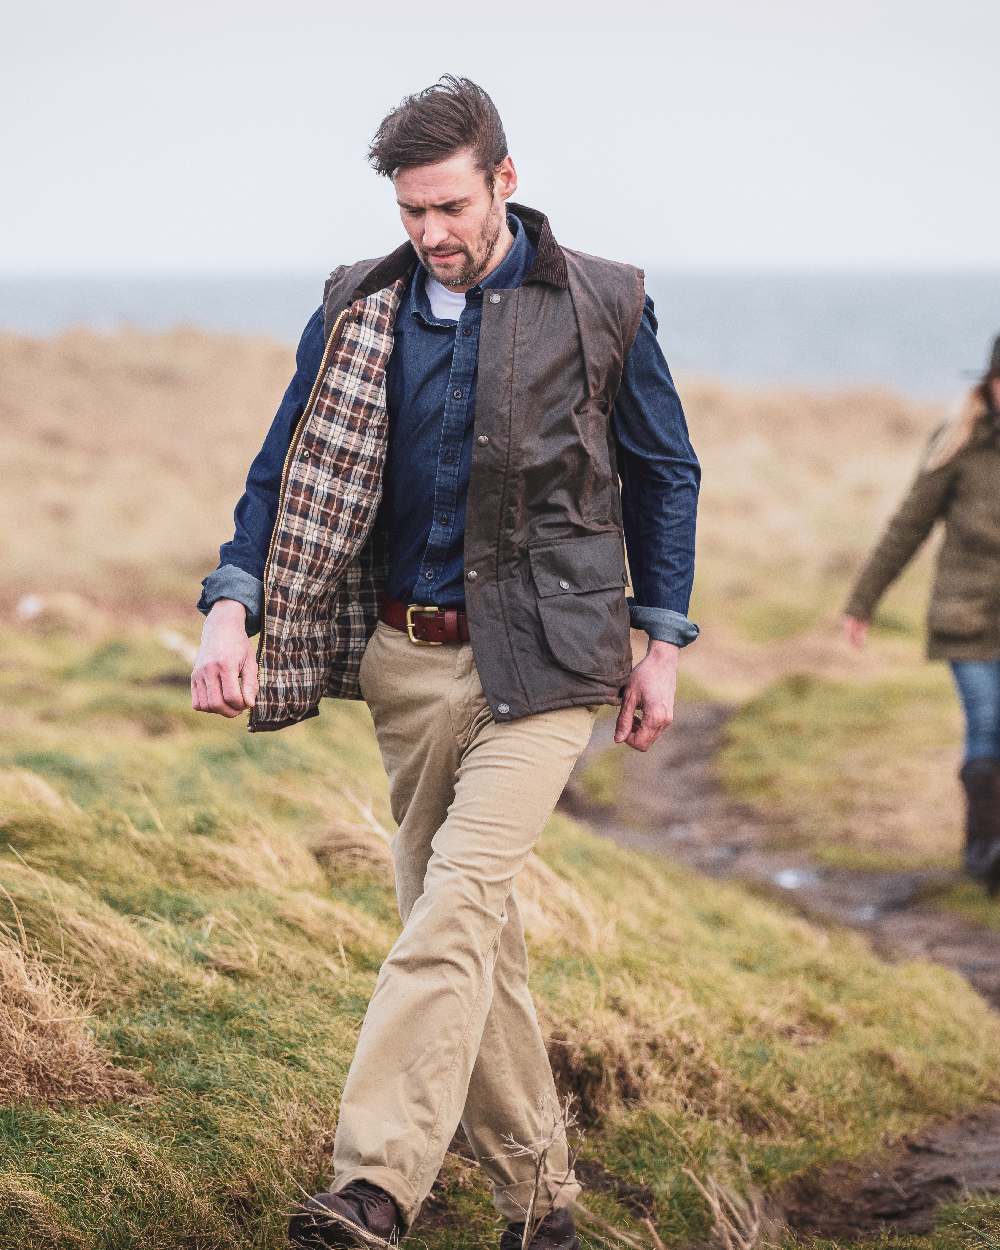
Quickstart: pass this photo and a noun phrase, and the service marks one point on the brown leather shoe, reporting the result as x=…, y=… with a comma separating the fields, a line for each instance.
x=555, y=1232
x=360, y=1214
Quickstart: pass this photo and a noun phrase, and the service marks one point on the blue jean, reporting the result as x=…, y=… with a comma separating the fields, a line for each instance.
x=978, y=683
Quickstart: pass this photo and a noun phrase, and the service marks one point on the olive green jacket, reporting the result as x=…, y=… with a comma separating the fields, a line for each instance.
x=958, y=483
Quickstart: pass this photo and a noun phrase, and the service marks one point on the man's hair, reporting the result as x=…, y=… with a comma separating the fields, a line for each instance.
x=437, y=122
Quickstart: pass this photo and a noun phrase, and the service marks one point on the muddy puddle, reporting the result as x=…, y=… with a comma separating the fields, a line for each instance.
x=900, y=1188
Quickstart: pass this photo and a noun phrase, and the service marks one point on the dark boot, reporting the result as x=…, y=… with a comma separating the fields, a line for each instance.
x=555, y=1232
x=993, y=867
x=981, y=856
x=360, y=1214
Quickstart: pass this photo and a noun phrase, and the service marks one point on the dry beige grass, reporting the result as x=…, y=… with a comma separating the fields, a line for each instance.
x=552, y=907
x=352, y=839
x=47, y=1053
x=129, y=451
x=19, y=787
x=796, y=486
x=634, y=1048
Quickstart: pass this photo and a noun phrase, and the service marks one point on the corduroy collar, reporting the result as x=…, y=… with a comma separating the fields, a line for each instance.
x=549, y=264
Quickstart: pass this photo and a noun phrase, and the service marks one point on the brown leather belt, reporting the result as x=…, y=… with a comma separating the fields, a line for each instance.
x=424, y=625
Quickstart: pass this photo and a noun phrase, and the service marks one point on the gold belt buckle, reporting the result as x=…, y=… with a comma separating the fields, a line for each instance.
x=420, y=642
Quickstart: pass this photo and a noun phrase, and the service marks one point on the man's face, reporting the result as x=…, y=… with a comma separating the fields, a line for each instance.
x=453, y=219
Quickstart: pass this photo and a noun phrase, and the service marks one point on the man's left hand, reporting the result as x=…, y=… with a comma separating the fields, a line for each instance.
x=650, y=689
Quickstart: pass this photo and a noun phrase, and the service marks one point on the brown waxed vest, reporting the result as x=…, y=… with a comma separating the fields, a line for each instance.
x=544, y=552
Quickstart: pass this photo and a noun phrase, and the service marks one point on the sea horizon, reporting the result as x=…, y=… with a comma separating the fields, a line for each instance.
x=924, y=333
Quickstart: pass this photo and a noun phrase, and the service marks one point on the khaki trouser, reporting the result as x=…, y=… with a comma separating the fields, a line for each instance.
x=451, y=1033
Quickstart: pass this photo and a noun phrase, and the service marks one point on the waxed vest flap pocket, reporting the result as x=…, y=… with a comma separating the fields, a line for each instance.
x=961, y=618
x=580, y=584
x=589, y=562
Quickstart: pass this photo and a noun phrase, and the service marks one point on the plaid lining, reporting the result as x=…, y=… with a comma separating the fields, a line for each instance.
x=327, y=564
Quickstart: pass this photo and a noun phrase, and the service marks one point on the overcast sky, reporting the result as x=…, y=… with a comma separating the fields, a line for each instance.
x=231, y=136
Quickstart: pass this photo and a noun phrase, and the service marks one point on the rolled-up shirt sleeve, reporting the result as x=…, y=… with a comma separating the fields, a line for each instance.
x=240, y=572
x=661, y=478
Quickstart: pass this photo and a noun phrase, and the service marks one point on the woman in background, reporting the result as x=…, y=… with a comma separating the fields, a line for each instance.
x=959, y=483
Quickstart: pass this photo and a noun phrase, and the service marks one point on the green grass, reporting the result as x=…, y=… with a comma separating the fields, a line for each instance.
x=846, y=759
x=163, y=863
x=773, y=620
x=971, y=903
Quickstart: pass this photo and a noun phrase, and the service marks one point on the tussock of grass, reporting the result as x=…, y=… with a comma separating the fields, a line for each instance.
x=555, y=910
x=47, y=1053
x=346, y=846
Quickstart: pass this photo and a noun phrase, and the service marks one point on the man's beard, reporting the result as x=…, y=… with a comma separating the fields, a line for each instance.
x=475, y=263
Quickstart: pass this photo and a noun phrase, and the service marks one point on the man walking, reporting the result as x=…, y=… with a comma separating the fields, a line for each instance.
x=435, y=524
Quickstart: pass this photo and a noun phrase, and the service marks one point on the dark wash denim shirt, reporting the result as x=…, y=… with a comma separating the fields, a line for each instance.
x=431, y=392
x=431, y=383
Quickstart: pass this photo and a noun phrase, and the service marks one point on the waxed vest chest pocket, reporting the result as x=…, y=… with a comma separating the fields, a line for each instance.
x=580, y=583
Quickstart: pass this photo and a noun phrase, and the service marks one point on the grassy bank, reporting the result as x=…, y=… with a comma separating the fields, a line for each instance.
x=195, y=918
x=864, y=772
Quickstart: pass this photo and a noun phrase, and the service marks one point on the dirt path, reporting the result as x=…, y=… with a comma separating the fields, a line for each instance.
x=672, y=804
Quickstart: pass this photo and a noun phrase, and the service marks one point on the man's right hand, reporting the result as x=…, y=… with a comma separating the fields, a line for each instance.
x=224, y=678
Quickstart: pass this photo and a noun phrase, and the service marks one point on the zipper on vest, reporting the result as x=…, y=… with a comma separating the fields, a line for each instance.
x=293, y=447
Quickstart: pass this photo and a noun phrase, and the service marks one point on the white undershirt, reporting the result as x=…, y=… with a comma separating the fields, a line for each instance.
x=445, y=305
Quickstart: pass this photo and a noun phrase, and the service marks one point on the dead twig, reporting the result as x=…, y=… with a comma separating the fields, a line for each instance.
x=737, y=1219
x=654, y=1236
x=564, y=1120
x=608, y=1234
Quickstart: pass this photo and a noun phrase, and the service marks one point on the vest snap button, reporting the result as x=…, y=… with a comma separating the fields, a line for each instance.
x=494, y=299
x=483, y=439
x=563, y=584
x=471, y=575
x=503, y=708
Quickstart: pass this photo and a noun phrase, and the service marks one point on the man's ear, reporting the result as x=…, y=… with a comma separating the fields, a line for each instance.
x=505, y=178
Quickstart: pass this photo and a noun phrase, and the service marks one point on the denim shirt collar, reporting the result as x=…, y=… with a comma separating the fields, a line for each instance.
x=508, y=274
